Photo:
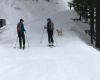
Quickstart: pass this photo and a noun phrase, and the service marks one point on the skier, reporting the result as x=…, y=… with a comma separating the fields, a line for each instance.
x=50, y=30
x=21, y=35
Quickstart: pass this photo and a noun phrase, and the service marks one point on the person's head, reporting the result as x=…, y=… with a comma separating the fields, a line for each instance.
x=21, y=20
x=49, y=20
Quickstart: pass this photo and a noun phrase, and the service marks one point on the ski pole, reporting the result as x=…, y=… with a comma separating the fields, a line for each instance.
x=16, y=42
x=42, y=35
x=27, y=39
x=54, y=38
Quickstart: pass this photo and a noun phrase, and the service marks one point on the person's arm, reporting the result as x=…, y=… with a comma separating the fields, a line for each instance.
x=23, y=27
x=45, y=27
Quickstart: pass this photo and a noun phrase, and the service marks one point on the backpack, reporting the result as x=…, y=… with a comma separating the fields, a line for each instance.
x=19, y=27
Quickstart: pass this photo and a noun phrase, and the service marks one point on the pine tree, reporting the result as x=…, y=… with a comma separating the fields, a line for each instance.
x=85, y=8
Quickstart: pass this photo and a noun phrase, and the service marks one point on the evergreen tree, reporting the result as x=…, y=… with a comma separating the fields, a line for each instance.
x=85, y=8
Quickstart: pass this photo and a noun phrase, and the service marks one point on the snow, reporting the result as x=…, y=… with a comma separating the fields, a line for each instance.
x=72, y=59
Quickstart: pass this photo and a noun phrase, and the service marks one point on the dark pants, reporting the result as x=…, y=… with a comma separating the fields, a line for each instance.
x=50, y=37
x=21, y=36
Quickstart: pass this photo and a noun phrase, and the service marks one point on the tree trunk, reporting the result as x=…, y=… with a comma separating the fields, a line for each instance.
x=92, y=23
x=98, y=24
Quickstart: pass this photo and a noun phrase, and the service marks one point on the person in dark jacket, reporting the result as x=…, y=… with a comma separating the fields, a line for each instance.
x=50, y=30
x=21, y=34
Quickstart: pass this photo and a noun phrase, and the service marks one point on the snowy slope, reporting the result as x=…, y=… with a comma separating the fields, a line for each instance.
x=71, y=59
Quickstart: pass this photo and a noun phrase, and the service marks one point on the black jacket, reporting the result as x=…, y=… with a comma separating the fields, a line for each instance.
x=50, y=26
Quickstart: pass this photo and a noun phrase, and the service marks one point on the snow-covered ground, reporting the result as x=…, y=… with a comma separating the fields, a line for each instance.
x=71, y=59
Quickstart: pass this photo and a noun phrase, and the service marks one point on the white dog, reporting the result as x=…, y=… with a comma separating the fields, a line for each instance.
x=59, y=32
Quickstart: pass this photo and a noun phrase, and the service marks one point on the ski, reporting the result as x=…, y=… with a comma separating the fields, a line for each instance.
x=51, y=46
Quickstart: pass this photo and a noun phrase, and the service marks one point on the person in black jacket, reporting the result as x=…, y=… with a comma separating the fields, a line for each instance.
x=50, y=30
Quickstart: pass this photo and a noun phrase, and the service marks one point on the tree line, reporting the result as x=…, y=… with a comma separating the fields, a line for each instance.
x=89, y=10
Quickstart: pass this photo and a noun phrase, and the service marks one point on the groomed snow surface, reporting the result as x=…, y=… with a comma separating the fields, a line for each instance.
x=71, y=59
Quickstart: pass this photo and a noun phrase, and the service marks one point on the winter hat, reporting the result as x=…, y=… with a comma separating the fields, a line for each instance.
x=21, y=20
x=48, y=19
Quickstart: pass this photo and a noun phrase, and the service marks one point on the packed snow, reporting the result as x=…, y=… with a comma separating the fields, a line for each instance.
x=72, y=58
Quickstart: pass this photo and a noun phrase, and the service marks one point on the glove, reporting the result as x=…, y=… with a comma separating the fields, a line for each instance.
x=45, y=27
